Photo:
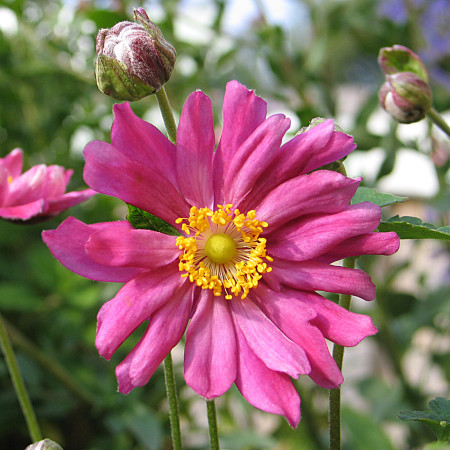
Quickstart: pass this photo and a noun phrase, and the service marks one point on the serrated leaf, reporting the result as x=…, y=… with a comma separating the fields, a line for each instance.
x=365, y=194
x=413, y=228
x=437, y=418
x=145, y=221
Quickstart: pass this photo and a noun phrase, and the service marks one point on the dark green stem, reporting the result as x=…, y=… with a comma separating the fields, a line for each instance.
x=338, y=355
x=19, y=385
x=167, y=114
x=173, y=403
x=438, y=120
x=212, y=421
x=169, y=122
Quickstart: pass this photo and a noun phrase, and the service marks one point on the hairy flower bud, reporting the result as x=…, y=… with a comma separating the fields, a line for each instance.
x=133, y=59
x=45, y=444
x=406, y=97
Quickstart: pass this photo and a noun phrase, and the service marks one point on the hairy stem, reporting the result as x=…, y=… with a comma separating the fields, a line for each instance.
x=212, y=422
x=167, y=114
x=335, y=394
x=174, y=414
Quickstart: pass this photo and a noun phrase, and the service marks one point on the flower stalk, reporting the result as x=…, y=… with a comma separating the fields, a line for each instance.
x=212, y=422
x=338, y=355
x=174, y=413
x=167, y=115
x=169, y=376
x=19, y=385
x=438, y=120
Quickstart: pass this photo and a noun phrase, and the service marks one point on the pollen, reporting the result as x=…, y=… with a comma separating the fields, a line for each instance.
x=223, y=250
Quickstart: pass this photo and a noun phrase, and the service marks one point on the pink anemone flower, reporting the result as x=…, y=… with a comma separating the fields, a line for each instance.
x=37, y=194
x=259, y=228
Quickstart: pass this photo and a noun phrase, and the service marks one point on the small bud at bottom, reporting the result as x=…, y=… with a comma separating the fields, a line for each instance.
x=46, y=444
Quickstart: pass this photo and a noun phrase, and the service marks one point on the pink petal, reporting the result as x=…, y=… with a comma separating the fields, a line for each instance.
x=68, y=200
x=195, y=149
x=311, y=236
x=24, y=212
x=55, y=182
x=318, y=276
x=210, y=357
x=263, y=388
x=312, y=149
x=67, y=244
x=140, y=141
x=4, y=184
x=336, y=323
x=252, y=157
x=136, y=301
x=110, y=172
x=319, y=192
x=166, y=328
x=13, y=162
x=243, y=112
x=293, y=318
x=267, y=342
x=68, y=175
x=302, y=154
x=132, y=248
x=366, y=244
x=28, y=187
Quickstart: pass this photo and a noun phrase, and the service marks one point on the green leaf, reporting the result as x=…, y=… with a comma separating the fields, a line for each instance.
x=145, y=426
x=363, y=432
x=365, y=194
x=143, y=220
x=413, y=228
x=437, y=418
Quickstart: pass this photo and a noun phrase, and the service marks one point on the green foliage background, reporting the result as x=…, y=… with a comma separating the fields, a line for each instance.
x=50, y=107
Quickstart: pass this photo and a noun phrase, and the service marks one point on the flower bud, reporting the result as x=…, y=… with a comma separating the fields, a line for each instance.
x=45, y=444
x=133, y=59
x=398, y=58
x=406, y=97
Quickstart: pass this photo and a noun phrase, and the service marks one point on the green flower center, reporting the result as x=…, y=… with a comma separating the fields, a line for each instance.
x=220, y=248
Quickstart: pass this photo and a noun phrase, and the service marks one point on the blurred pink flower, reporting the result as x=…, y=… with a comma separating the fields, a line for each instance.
x=242, y=281
x=37, y=194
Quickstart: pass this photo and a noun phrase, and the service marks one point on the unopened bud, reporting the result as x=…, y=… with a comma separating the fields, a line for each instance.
x=133, y=59
x=45, y=444
x=398, y=59
x=406, y=97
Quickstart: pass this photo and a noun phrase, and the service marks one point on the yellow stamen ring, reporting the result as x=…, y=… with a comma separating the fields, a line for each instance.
x=223, y=250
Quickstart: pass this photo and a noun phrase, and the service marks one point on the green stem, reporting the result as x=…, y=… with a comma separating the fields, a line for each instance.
x=19, y=386
x=167, y=114
x=335, y=394
x=173, y=403
x=438, y=120
x=169, y=122
x=212, y=421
